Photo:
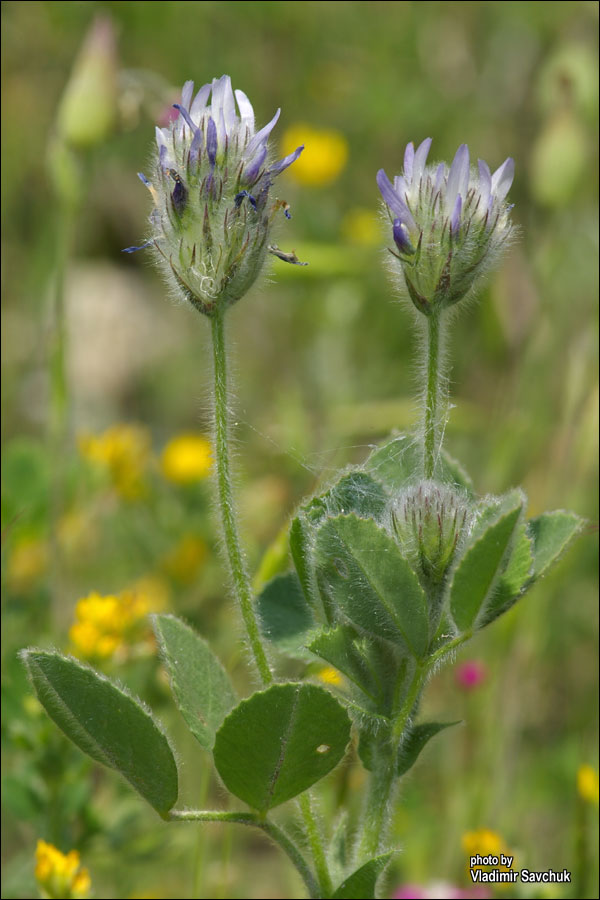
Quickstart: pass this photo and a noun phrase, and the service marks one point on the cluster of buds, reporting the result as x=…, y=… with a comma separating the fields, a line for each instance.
x=429, y=520
x=212, y=212
x=449, y=225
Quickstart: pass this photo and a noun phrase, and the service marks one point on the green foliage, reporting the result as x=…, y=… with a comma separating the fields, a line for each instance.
x=285, y=615
x=279, y=742
x=363, y=881
x=410, y=749
x=552, y=532
x=482, y=563
x=362, y=574
x=107, y=724
x=200, y=684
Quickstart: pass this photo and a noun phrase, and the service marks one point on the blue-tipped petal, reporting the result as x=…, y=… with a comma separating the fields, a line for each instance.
x=211, y=140
x=286, y=161
x=402, y=238
x=420, y=159
x=252, y=169
x=186, y=99
x=183, y=112
x=135, y=249
x=196, y=145
x=393, y=201
x=261, y=136
x=143, y=179
x=458, y=178
x=503, y=178
x=455, y=217
x=409, y=155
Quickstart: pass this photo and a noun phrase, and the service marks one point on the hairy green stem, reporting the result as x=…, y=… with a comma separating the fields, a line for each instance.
x=433, y=397
x=239, y=574
x=274, y=831
x=376, y=807
x=316, y=845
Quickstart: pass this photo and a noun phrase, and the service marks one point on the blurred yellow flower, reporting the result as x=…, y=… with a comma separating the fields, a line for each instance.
x=361, y=226
x=187, y=458
x=483, y=842
x=325, y=153
x=59, y=875
x=28, y=560
x=183, y=562
x=106, y=625
x=587, y=784
x=124, y=450
x=329, y=675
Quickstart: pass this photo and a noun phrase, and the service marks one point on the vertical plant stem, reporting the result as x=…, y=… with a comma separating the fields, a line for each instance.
x=377, y=801
x=239, y=574
x=434, y=396
x=316, y=845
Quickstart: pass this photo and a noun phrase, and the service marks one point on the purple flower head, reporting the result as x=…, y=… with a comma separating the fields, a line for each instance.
x=211, y=190
x=449, y=223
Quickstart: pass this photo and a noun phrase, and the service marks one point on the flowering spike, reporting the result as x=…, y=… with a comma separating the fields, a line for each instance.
x=219, y=165
x=462, y=213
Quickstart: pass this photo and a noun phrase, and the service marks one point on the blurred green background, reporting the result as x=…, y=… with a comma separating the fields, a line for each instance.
x=324, y=367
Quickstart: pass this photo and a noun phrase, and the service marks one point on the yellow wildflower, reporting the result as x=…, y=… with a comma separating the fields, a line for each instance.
x=59, y=875
x=361, y=226
x=106, y=625
x=325, y=153
x=183, y=562
x=329, y=675
x=187, y=458
x=28, y=561
x=124, y=451
x=587, y=784
x=485, y=842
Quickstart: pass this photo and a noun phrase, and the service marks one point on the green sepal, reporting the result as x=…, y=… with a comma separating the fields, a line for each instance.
x=410, y=749
x=398, y=463
x=107, y=723
x=279, y=742
x=363, y=882
x=515, y=579
x=200, y=685
x=364, y=578
x=286, y=618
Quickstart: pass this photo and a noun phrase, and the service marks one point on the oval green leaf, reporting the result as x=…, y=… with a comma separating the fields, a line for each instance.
x=552, y=533
x=363, y=574
x=278, y=742
x=285, y=616
x=200, y=684
x=363, y=881
x=106, y=723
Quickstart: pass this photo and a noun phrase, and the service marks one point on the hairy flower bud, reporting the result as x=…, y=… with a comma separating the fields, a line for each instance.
x=429, y=520
x=449, y=225
x=212, y=211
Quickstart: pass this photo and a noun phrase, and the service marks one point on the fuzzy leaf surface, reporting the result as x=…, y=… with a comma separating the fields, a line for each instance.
x=483, y=562
x=285, y=616
x=279, y=742
x=200, y=684
x=106, y=723
x=363, y=575
x=552, y=533
x=363, y=882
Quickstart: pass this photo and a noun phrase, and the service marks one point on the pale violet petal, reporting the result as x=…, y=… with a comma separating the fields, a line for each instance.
x=409, y=155
x=485, y=185
x=503, y=178
x=420, y=159
x=261, y=137
x=395, y=203
x=458, y=178
x=199, y=104
x=246, y=110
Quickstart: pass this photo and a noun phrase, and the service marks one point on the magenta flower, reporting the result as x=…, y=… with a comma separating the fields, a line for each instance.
x=470, y=674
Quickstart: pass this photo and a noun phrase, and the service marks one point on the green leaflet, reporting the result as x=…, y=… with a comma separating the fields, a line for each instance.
x=279, y=742
x=106, y=723
x=552, y=533
x=200, y=685
x=285, y=615
x=364, y=577
x=483, y=561
x=363, y=881
x=411, y=748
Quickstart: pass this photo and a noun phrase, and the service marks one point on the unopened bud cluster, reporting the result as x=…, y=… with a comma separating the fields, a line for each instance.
x=449, y=225
x=212, y=210
x=429, y=520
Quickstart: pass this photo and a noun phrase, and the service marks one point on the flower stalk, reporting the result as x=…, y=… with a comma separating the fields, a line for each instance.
x=237, y=566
